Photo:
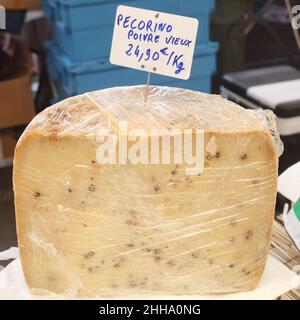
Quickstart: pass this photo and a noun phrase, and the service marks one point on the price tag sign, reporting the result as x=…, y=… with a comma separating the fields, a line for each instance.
x=154, y=41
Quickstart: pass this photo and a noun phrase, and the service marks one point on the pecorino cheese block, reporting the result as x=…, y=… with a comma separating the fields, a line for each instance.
x=88, y=229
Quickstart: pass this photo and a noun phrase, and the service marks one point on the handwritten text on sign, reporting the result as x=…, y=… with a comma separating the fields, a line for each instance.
x=154, y=41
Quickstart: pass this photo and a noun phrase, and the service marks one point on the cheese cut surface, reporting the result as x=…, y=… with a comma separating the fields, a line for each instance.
x=86, y=229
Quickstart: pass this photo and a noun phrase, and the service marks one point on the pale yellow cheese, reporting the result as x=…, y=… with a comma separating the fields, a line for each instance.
x=87, y=229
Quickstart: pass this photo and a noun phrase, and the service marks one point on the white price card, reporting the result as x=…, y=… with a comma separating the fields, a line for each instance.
x=154, y=41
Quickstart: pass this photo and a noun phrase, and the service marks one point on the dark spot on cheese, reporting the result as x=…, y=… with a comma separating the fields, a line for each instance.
x=130, y=245
x=132, y=284
x=70, y=190
x=51, y=279
x=156, y=251
x=249, y=234
x=90, y=269
x=93, y=161
x=215, y=156
x=231, y=240
x=82, y=202
x=92, y=178
x=243, y=156
x=243, y=270
x=255, y=181
x=89, y=254
x=37, y=194
x=132, y=212
x=157, y=258
x=84, y=224
x=171, y=263
x=211, y=261
x=134, y=221
x=195, y=255
x=102, y=261
x=117, y=265
x=156, y=188
x=231, y=266
x=92, y=187
x=248, y=272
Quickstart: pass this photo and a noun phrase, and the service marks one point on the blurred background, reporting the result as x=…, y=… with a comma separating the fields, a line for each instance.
x=53, y=49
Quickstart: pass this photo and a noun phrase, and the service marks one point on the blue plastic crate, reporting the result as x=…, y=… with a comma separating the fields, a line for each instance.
x=80, y=78
x=93, y=44
x=83, y=30
x=87, y=14
x=50, y=9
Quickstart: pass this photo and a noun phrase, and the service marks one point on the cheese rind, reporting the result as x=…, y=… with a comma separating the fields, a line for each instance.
x=86, y=229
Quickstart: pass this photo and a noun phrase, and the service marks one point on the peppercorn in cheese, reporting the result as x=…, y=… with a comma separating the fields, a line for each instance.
x=87, y=229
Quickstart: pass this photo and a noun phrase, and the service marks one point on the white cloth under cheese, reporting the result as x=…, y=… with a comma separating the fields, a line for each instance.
x=86, y=229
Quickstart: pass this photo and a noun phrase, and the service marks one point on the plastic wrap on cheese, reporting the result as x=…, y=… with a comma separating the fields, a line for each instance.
x=89, y=226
